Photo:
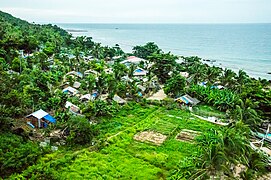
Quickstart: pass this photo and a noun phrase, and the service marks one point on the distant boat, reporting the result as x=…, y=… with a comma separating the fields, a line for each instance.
x=116, y=28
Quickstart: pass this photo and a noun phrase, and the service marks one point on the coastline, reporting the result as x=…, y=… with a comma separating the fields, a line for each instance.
x=236, y=54
x=252, y=73
x=76, y=30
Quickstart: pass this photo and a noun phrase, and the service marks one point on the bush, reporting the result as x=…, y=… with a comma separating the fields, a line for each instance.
x=169, y=103
x=100, y=108
x=80, y=131
x=16, y=155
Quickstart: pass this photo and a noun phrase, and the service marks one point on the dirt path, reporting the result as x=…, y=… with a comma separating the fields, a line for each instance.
x=160, y=95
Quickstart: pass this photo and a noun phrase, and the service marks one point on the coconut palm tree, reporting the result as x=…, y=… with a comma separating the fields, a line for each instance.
x=244, y=111
x=241, y=79
x=212, y=74
x=198, y=71
x=222, y=149
x=227, y=79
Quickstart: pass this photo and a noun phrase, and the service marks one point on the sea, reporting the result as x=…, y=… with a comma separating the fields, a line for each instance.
x=234, y=46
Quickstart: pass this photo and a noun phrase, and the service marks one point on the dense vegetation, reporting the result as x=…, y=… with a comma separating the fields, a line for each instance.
x=34, y=61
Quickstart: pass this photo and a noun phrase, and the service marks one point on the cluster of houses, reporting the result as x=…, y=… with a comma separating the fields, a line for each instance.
x=41, y=119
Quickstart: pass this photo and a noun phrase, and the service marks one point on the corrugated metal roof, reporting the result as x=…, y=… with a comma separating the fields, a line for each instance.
x=38, y=114
x=86, y=96
x=70, y=89
x=118, y=99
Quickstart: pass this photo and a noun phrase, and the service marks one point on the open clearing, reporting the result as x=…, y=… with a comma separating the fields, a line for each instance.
x=187, y=135
x=123, y=157
x=151, y=136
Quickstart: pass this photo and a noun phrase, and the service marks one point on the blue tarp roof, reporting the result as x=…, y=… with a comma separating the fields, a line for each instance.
x=185, y=100
x=140, y=94
x=139, y=70
x=80, y=74
x=49, y=118
x=95, y=94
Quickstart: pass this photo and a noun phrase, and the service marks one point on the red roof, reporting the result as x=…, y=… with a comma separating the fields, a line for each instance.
x=131, y=57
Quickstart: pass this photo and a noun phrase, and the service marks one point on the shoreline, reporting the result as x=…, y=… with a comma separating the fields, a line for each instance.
x=76, y=30
x=253, y=74
x=228, y=63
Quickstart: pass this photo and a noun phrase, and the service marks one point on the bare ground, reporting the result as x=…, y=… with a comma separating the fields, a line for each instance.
x=160, y=95
x=151, y=136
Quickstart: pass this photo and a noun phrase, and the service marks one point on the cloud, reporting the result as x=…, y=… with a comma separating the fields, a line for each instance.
x=165, y=11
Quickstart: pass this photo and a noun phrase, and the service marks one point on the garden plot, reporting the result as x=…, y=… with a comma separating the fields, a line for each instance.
x=151, y=136
x=163, y=126
x=187, y=135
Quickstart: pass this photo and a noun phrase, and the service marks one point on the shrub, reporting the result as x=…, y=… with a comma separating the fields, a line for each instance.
x=16, y=155
x=100, y=108
x=80, y=131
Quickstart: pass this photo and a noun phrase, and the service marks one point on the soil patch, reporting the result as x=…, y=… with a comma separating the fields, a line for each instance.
x=150, y=136
x=160, y=95
x=187, y=135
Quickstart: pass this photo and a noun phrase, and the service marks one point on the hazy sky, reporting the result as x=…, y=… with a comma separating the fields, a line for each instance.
x=140, y=11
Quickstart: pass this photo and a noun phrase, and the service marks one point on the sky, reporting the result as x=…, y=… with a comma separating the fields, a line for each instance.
x=140, y=11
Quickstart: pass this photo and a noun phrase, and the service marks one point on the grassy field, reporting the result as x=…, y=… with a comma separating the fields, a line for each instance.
x=122, y=157
x=208, y=111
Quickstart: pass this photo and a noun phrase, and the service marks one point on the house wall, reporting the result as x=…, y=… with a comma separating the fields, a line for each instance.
x=35, y=122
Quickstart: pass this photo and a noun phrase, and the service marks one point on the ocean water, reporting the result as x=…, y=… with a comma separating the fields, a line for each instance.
x=235, y=46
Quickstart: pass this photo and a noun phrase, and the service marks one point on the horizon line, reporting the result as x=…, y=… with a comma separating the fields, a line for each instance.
x=153, y=23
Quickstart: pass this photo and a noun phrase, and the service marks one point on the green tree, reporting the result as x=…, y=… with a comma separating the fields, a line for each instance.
x=222, y=149
x=119, y=70
x=80, y=131
x=244, y=111
x=175, y=86
x=146, y=50
x=163, y=64
x=227, y=79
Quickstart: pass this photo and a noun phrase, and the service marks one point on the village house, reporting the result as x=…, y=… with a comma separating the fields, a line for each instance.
x=139, y=72
x=76, y=84
x=88, y=97
x=133, y=60
x=118, y=99
x=88, y=58
x=40, y=119
x=91, y=72
x=72, y=108
x=85, y=97
x=187, y=100
x=70, y=91
x=74, y=73
x=126, y=79
x=142, y=89
x=109, y=71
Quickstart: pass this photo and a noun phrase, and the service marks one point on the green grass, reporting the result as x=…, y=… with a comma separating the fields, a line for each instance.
x=125, y=158
x=205, y=110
